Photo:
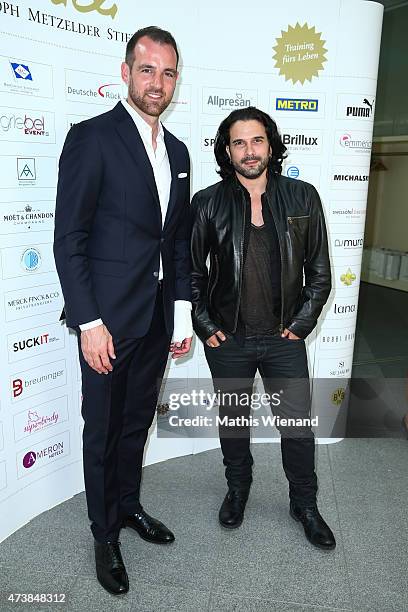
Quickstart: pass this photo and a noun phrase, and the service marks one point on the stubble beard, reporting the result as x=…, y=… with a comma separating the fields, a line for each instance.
x=251, y=173
x=146, y=105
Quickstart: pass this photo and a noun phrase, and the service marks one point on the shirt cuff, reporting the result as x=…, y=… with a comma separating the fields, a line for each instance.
x=90, y=325
x=183, y=326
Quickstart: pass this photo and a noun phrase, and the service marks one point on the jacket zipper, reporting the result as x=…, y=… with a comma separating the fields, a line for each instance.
x=280, y=251
x=290, y=219
x=215, y=279
x=242, y=264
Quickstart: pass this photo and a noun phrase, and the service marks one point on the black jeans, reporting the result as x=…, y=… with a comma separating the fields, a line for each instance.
x=282, y=364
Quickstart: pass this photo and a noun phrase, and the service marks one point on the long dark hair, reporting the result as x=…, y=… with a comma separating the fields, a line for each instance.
x=222, y=140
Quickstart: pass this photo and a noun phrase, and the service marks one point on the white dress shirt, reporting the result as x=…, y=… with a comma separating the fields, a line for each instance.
x=159, y=160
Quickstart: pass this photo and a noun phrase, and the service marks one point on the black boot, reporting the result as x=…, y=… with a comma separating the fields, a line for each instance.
x=110, y=569
x=316, y=529
x=232, y=509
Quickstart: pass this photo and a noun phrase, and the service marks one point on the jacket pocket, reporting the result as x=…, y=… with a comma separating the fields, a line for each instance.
x=298, y=227
x=298, y=219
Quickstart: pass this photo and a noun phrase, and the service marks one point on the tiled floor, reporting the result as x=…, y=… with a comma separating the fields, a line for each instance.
x=267, y=564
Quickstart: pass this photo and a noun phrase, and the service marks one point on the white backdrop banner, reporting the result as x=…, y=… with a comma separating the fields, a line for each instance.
x=311, y=66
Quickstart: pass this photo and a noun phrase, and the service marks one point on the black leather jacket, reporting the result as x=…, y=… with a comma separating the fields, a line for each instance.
x=221, y=219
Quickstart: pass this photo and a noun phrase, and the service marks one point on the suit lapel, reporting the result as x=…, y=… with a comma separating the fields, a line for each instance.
x=171, y=152
x=129, y=133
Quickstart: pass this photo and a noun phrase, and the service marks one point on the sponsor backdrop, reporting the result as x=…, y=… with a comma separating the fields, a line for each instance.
x=312, y=67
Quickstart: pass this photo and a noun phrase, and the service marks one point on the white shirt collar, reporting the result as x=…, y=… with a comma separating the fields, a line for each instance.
x=144, y=128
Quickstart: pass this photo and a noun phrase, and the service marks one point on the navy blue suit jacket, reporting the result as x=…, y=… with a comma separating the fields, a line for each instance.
x=108, y=228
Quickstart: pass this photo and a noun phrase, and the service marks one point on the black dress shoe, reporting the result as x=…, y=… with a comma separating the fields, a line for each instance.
x=149, y=528
x=232, y=509
x=316, y=529
x=110, y=569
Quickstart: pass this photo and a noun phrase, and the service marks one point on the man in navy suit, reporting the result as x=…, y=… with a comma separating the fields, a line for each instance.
x=121, y=247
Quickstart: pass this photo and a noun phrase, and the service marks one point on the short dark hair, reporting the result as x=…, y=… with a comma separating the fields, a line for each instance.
x=154, y=33
x=222, y=139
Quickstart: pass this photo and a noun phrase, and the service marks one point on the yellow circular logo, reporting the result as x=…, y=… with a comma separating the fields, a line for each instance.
x=338, y=396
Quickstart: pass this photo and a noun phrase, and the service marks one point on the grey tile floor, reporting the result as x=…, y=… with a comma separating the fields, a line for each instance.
x=267, y=564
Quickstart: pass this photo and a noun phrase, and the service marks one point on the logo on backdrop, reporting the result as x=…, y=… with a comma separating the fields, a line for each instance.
x=343, y=178
x=25, y=78
x=21, y=71
x=40, y=417
x=93, y=5
x=335, y=368
x=293, y=172
x=359, y=178
x=208, y=144
x=30, y=301
x=32, y=342
x=43, y=453
x=22, y=260
x=208, y=134
x=340, y=211
x=32, y=124
x=355, y=106
x=31, y=259
x=36, y=423
x=346, y=244
x=299, y=53
x=338, y=396
x=359, y=142
x=303, y=171
x=26, y=169
x=342, y=308
x=285, y=104
x=84, y=87
x=37, y=380
x=221, y=100
x=304, y=142
x=348, y=278
x=18, y=172
x=336, y=338
x=297, y=104
x=360, y=111
x=29, y=459
x=21, y=125
x=31, y=216
x=105, y=93
x=35, y=341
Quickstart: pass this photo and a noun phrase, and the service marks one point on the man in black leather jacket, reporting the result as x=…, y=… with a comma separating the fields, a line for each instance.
x=268, y=279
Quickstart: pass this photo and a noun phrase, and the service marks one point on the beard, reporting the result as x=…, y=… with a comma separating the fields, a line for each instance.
x=154, y=108
x=251, y=172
